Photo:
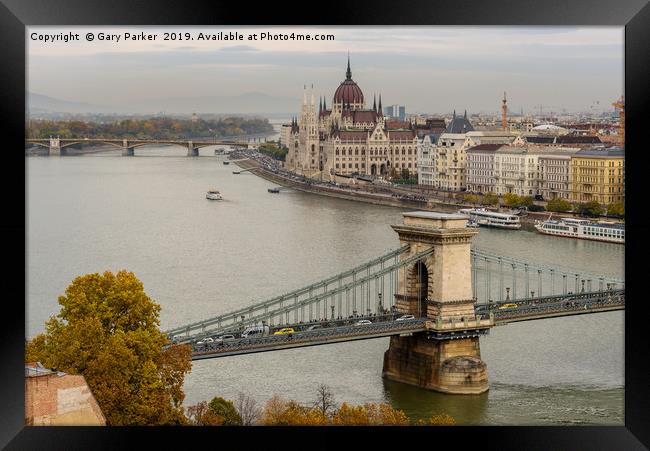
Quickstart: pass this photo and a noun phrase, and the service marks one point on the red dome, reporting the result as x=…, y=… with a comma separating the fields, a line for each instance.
x=348, y=91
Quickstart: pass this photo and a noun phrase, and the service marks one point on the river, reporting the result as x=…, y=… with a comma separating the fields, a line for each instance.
x=198, y=258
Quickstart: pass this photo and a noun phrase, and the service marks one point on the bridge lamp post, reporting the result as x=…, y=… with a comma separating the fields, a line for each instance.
x=532, y=293
x=332, y=307
x=583, y=286
x=380, y=307
x=507, y=294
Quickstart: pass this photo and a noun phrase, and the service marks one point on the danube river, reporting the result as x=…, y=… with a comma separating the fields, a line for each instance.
x=198, y=258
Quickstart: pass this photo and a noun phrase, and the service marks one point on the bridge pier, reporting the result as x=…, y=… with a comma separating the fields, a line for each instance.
x=191, y=150
x=447, y=357
x=127, y=151
x=55, y=147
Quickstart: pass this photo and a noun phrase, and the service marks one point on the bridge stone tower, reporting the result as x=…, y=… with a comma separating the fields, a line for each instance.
x=447, y=356
x=55, y=146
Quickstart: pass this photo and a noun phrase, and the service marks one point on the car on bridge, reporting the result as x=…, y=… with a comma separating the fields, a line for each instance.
x=284, y=331
x=405, y=318
x=362, y=322
x=507, y=306
x=223, y=338
x=205, y=341
x=315, y=326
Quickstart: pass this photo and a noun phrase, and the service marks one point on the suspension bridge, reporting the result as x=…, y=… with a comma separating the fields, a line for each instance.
x=434, y=287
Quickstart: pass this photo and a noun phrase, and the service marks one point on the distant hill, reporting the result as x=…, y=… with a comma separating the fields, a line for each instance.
x=248, y=103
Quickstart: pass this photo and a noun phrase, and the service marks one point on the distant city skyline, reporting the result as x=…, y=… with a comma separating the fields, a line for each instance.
x=427, y=69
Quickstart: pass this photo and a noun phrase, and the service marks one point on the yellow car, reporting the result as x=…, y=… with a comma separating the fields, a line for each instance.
x=286, y=330
x=505, y=306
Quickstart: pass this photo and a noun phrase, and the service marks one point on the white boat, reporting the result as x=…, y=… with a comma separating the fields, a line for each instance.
x=611, y=232
x=488, y=218
x=472, y=224
x=213, y=194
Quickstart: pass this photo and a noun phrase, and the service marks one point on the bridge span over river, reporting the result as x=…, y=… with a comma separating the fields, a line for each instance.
x=434, y=296
x=58, y=146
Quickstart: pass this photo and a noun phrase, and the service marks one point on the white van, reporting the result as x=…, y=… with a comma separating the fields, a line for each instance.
x=255, y=331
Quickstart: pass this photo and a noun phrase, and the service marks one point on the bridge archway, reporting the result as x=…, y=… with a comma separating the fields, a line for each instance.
x=418, y=288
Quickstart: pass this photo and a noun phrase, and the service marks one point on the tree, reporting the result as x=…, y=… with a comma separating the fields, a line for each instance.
x=406, y=174
x=108, y=331
x=247, y=409
x=490, y=199
x=511, y=199
x=279, y=412
x=325, y=400
x=393, y=173
x=369, y=414
x=526, y=201
x=558, y=205
x=438, y=420
x=616, y=209
x=225, y=409
x=201, y=415
x=592, y=208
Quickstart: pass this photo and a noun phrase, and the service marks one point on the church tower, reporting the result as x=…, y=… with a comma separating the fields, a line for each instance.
x=309, y=157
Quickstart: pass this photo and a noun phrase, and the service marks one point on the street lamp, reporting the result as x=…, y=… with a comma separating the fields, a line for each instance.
x=381, y=308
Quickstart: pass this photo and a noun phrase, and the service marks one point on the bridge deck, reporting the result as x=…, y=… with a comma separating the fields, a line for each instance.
x=387, y=326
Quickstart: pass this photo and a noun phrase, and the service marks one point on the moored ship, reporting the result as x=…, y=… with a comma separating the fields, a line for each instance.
x=611, y=232
x=486, y=218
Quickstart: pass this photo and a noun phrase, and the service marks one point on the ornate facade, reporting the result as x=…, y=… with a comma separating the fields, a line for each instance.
x=349, y=138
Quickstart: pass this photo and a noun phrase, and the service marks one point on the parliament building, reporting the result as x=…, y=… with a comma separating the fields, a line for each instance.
x=348, y=138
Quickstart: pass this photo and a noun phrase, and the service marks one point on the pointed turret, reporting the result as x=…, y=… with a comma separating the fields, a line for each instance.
x=380, y=103
x=348, y=73
x=374, y=103
x=324, y=104
x=320, y=105
x=465, y=115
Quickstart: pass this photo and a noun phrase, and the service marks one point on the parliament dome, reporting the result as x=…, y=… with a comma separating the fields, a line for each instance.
x=348, y=91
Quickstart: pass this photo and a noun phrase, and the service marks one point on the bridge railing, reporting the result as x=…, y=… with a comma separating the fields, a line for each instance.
x=269, y=306
x=313, y=299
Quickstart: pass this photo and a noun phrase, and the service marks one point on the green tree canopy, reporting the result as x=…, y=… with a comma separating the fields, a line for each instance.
x=490, y=199
x=226, y=410
x=616, y=209
x=558, y=205
x=108, y=331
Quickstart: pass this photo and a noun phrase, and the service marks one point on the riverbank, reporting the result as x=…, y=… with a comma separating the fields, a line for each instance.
x=377, y=198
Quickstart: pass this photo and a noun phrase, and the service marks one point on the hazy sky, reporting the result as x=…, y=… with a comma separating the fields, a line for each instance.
x=428, y=69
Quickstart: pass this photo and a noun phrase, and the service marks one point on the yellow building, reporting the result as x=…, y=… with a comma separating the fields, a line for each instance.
x=598, y=175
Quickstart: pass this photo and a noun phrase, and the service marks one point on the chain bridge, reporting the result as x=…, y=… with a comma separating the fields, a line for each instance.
x=58, y=146
x=432, y=291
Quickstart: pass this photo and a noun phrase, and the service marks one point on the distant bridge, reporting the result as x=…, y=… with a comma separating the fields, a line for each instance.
x=58, y=146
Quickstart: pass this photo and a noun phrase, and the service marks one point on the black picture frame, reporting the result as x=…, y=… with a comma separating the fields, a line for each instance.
x=15, y=15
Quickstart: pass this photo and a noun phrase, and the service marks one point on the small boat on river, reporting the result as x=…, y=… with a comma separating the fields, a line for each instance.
x=213, y=194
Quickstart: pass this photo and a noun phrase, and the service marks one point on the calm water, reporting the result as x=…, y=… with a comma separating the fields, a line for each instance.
x=197, y=258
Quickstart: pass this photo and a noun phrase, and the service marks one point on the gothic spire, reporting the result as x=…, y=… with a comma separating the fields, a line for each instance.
x=454, y=114
x=465, y=115
x=380, y=102
x=374, y=102
x=324, y=104
x=348, y=73
x=320, y=105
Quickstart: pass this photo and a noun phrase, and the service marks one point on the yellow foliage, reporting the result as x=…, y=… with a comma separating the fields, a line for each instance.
x=107, y=330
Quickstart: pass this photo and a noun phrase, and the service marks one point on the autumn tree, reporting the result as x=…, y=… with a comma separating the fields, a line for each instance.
x=369, y=414
x=490, y=199
x=511, y=199
x=280, y=412
x=202, y=415
x=108, y=331
x=225, y=409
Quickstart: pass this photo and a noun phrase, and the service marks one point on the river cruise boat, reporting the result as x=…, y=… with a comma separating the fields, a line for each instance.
x=213, y=194
x=612, y=232
x=487, y=218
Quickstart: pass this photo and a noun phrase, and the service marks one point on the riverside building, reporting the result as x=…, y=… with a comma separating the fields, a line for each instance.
x=598, y=175
x=348, y=138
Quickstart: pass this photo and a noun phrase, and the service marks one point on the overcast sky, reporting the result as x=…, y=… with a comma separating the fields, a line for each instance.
x=428, y=69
